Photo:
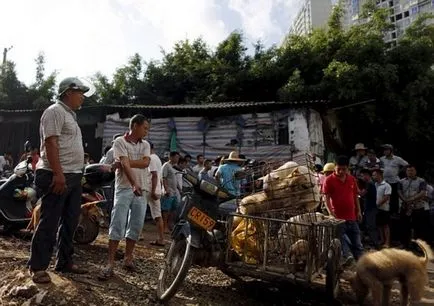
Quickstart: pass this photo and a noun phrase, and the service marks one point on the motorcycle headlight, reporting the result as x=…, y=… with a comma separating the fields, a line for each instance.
x=208, y=187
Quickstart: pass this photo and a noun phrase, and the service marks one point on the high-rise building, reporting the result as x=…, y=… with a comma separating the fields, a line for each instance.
x=402, y=14
x=312, y=15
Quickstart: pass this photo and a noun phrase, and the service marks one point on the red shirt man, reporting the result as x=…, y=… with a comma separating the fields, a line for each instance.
x=342, y=201
x=342, y=195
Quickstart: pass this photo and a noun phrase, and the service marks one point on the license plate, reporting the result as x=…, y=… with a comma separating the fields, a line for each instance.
x=201, y=219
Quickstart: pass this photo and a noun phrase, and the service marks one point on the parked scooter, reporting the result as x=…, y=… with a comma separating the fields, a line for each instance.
x=17, y=197
x=200, y=234
x=95, y=177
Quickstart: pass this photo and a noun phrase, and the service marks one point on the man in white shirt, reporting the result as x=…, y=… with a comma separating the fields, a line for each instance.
x=200, y=160
x=154, y=172
x=3, y=163
x=392, y=165
x=129, y=209
x=384, y=190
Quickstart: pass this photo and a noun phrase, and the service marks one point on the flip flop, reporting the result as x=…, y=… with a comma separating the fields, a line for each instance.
x=131, y=267
x=156, y=243
x=106, y=274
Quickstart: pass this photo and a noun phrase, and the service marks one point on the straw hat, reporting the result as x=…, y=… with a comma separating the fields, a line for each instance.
x=360, y=146
x=234, y=157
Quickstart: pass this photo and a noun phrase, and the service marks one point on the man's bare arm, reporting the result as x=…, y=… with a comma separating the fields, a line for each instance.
x=154, y=181
x=329, y=205
x=126, y=168
x=52, y=148
x=418, y=196
x=140, y=163
x=384, y=200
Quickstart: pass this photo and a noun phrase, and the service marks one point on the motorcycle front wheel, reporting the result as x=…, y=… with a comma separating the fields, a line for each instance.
x=178, y=261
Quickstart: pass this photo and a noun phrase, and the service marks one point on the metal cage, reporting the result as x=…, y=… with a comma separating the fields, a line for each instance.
x=277, y=229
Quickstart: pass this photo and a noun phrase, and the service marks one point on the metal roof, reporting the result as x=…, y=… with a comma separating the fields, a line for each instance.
x=222, y=105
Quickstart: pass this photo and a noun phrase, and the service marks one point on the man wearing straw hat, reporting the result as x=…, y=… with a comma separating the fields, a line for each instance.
x=358, y=161
x=225, y=173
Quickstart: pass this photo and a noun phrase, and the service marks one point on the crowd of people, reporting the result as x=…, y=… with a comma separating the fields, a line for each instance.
x=141, y=180
x=384, y=195
x=363, y=187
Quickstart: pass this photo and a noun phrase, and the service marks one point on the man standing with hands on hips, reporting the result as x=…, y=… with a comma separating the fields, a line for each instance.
x=129, y=209
x=58, y=176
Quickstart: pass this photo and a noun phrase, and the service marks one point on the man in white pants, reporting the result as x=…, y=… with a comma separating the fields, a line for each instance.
x=155, y=183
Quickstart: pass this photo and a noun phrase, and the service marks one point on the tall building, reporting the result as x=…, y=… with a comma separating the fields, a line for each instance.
x=312, y=15
x=402, y=14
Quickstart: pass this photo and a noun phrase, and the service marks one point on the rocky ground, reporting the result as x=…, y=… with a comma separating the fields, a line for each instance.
x=202, y=286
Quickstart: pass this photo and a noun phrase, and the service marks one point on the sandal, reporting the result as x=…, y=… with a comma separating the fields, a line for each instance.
x=156, y=243
x=130, y=267
x=106, y=274
x=40, y=277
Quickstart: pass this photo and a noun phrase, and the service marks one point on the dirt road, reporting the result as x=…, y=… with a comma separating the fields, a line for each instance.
x=202, y=286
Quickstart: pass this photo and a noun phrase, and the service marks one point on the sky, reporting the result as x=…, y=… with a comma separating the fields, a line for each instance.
x=82, y=37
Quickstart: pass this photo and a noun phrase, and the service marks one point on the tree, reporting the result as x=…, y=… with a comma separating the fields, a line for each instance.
x=42, y=91
x=13, y=93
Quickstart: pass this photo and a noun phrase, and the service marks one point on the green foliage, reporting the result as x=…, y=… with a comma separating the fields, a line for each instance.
x=16, y=95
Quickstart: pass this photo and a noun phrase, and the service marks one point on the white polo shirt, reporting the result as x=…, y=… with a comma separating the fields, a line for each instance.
x=383, y=189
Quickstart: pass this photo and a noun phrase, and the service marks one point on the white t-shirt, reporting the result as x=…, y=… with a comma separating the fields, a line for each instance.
x=122, y=147
x=155, y=165
x=3, y=163
x=197, y=168
x=383, y=189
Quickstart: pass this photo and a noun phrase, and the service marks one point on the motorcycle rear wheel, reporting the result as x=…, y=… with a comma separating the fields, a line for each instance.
x=178, y=261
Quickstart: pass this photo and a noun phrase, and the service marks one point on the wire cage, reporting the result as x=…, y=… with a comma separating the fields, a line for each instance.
x=277, y=228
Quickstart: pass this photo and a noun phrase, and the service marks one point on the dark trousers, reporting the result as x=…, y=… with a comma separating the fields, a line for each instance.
x=394, y=199
x=371, y=225
x=59, y=215
x=350, y=239
x=419, y=221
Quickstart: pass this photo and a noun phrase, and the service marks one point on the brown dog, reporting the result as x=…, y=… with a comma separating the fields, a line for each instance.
x=376, y=272
x=90, y=210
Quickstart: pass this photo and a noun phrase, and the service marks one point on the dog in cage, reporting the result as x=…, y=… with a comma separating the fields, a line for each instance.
x=294, y=236
x=297, y=228
x=298, y=252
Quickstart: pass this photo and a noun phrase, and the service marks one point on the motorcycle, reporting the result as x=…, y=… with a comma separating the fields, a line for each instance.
x=199, y=236
x=17, y=197
x=95, y=177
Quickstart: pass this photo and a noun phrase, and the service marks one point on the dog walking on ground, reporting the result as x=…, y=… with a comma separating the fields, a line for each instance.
x=376, y=272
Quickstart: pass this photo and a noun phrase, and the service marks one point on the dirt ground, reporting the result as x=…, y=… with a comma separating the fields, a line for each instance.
x=202, y=286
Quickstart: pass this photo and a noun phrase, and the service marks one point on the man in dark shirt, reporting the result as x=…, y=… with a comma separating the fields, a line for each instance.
x=369, y=195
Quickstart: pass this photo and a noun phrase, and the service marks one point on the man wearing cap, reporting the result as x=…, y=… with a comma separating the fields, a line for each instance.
x=392, y=165
x=358, y=161
x=58, y=175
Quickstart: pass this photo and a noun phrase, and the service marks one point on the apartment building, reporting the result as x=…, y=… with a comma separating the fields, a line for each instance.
x=402, y=14
x=312, y=15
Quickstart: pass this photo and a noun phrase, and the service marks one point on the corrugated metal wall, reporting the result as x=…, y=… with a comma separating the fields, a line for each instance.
x=257, y=131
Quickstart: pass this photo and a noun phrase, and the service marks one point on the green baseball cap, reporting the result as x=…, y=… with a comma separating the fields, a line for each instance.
x=72, y=83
